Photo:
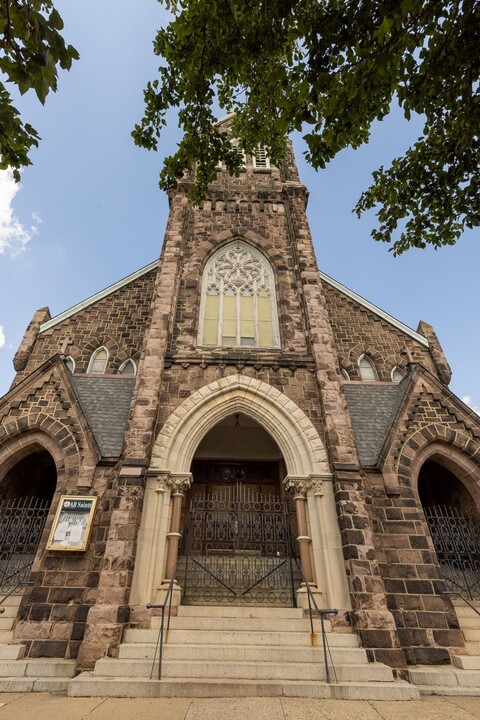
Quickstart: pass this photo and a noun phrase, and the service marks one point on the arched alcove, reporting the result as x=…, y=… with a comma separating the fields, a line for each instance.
x=185, y=438
x=26, y=493
x=439, y=486
x=454, y=522
x=239, y=522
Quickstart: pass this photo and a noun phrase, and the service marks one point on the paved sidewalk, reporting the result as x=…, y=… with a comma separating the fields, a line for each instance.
x=42, y=706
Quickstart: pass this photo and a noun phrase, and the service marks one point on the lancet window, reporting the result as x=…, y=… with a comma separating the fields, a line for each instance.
x=238, y=305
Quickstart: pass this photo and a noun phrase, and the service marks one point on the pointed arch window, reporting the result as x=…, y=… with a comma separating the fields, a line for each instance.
x=98, y=361
x=127, y=368
x=345, y=374
x=238, y=304
x=367, y=368
x=70, y=364
x=397, y=374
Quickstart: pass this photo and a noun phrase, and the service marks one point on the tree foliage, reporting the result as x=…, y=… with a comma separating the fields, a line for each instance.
x=31, y=48
x=329, y=68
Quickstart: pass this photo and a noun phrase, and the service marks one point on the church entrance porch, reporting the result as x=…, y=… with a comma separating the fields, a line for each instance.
x=237, y=541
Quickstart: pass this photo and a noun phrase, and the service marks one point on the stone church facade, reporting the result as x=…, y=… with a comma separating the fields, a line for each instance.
x=233, y=361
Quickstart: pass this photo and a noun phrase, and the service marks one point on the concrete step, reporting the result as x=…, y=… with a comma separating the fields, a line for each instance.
x=6, y=636
x=12, y=652
x=466, y=662
x=471, y=635
x=445, y=677
x=239, y=611
x=30, y=684
x=472, y=648
x=88, y=685
x=9, y=611
x=38, y=667
x=219, y=637
x=248, y=653
x=469, y=622
x=237, y=670
x=238, y=624
x=6, y=623
x=465, y=611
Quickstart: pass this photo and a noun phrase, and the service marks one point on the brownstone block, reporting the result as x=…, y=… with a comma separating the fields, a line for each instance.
x=48, y=648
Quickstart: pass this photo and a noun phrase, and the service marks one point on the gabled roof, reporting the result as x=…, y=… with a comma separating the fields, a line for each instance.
x=98, y=296
x=106, y=402
x=374, y=309
x=143, y=271
x=372, y=407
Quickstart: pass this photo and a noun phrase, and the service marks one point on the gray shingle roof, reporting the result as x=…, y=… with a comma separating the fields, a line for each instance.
x=372, y=409
x=106, y=404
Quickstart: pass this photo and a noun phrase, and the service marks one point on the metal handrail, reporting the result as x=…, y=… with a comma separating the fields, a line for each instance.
x=18, y=585
x=462, y=597
x=321, y=613
x=162, y=607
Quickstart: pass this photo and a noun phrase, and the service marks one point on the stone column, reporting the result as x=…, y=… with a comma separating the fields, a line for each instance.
x=179, y=485
x=298, y=486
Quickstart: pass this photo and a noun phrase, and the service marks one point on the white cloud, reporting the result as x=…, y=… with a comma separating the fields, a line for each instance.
x=14, y=235
x=2, y=337
x=468, y=400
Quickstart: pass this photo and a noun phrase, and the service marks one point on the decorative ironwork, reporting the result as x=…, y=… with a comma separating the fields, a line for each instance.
x=238, y=549
x=21, y=526
x=456, y=537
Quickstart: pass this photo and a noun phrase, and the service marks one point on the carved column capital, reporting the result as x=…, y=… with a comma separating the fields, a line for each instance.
x=303, y=484
x=179, y=483
x=296, y=484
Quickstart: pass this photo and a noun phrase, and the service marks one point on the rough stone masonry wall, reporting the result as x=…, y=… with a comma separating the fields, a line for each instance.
x=357, y=331
x=426, y=621
x=371, y=617
x=43, y=414
x=51, y=621
x=180, y=380
x=118, y=321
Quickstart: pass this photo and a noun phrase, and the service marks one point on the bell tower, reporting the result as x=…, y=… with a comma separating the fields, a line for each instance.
x=239, y=326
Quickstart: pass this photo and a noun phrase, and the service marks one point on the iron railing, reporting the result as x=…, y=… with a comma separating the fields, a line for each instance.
x=456, y=537
x=462, y=597
x=322, y=614
x=23, y=572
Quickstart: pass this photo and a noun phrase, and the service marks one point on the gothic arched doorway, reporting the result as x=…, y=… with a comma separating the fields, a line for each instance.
x=26, y=493
x=454, y=522
x=238, y=520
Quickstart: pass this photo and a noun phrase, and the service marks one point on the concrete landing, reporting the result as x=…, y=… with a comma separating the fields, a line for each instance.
x=43, y=706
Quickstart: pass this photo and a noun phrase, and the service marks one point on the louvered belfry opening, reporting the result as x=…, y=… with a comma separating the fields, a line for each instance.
x=454, y=522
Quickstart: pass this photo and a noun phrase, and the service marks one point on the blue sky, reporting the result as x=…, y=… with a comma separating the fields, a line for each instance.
x=89, y=211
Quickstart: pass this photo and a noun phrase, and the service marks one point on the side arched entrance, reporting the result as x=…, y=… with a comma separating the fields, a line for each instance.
x=226, y=464
x=449, y=490
x=28, y=479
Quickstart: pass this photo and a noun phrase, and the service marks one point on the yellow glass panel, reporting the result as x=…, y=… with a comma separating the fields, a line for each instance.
x=265, y=328
x=229, y=328
x=247, y=323
x=210, y=327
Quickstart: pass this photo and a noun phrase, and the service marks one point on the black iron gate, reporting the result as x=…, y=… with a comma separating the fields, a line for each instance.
x=456, y=537
x=21, y=526
x=238, y=549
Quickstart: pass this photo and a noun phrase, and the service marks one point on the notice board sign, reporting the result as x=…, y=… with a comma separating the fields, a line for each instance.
x=72, y=524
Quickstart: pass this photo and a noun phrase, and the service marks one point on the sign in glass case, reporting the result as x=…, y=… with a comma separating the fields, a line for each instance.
x=72, y=523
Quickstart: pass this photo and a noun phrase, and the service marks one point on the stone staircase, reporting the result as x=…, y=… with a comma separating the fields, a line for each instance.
x=20, y=674
x=10, y=607
x=239, y=651
x=462, y=677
